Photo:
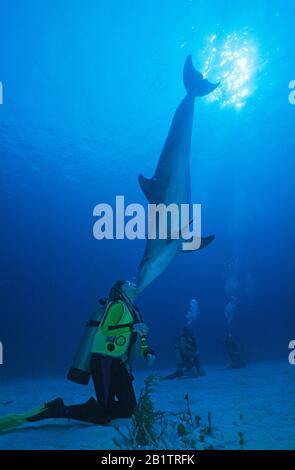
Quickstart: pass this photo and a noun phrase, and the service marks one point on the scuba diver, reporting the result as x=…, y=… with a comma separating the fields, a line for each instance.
x=115, y=339
x=187, y=356
x=233, y=353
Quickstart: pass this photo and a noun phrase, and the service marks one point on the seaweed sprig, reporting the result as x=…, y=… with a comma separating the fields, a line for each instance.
x=155, y=429
x=148, y=426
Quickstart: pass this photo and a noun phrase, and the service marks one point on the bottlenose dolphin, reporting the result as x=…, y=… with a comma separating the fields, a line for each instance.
x=171, y=181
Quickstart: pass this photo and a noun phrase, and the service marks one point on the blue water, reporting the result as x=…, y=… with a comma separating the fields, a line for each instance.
x=89, y=92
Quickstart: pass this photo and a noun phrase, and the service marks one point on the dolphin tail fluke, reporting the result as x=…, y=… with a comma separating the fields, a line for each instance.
x=194, y=81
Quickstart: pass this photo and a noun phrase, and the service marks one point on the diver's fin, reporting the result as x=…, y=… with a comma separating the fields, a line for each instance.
x=52, y=409
x=205, y=241
x=194, y=81
x=13, y=421
x=146, y=186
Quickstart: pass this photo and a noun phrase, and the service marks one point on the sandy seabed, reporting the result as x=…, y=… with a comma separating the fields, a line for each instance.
x=257, y=401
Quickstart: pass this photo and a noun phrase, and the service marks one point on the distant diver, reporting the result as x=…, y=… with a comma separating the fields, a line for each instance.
x=171, y=181
x=232, y=351
x=187, y=357
x=119, y=335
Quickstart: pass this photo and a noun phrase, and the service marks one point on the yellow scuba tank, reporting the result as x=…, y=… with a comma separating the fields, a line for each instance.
x=114, y=335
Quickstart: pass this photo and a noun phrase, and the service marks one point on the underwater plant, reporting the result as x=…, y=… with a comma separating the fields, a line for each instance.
x=206, y=429
x=181, y=430
x=145, y=416
x=188, y=410
x=156, y=429
x=197, y=421
x=209, y=427
x=241, y=440
x=142, y=432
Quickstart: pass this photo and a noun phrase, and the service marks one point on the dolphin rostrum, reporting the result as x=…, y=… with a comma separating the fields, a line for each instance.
x=171, y=181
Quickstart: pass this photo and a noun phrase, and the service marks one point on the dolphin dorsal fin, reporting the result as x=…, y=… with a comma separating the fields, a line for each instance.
x=146, y=186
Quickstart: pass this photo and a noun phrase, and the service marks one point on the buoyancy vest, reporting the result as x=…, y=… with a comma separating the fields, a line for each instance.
x=114, y=336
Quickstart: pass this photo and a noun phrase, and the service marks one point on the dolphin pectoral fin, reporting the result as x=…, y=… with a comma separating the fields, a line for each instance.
x=146, y=186
x=178, y=235
x=194, y=81
x=205, y=241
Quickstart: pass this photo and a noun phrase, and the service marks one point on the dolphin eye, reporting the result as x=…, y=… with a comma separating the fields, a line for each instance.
x=147, y=258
